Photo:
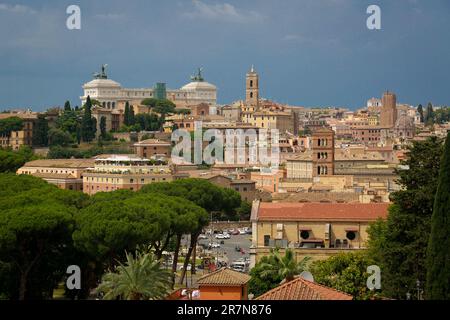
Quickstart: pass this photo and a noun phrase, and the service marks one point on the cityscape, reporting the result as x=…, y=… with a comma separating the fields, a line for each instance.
x=167, y=192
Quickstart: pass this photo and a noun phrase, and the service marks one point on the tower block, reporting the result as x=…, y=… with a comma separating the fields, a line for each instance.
x=252, y=89
x=323, y=152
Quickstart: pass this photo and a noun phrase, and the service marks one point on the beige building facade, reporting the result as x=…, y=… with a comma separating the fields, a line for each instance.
x=317, y=230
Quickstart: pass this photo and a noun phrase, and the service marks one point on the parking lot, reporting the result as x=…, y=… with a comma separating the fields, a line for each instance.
x=227, y=250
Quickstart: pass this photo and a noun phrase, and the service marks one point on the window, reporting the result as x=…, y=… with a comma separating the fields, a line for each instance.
x=251, y=83
x=351, y=235
x=266, y=240
x=131, y=180
x=251, y=94
x=304, y=234
x=142, y=180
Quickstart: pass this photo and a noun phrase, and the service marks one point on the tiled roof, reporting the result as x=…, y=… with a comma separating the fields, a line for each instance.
x=224, y=277
x=46, y=175
x=322, y=211
x=301, y=289
x=61, y=163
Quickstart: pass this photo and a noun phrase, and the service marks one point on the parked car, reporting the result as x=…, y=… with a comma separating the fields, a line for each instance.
x=222, y=236
x=238, y=266
x=214, y=245
x=202, y=236
x=235, y=232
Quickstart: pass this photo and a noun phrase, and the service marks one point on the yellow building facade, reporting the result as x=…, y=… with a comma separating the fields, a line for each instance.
x=317, y=230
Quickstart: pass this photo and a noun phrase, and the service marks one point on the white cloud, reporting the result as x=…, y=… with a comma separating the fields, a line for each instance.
x=17, y=8
x=223, y=12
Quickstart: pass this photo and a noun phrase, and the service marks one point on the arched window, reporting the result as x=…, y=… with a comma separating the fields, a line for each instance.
x=251, y=83
x=318, y=142
x=251, y=94
x=318, y=170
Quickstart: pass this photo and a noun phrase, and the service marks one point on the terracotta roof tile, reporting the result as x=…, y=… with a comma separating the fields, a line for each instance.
x=61, y=163
x=301, y=289
x=224, y=277
x=322, y=211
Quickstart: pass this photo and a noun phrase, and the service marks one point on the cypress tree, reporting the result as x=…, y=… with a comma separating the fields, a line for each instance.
x=429, y=116
x=126, y=116
x=40, y=131
x=438, y=251
x=67, y=106
x=420, y=110
x=87, y=129
x=78, y=134
x=132, y=119
x=103, y=127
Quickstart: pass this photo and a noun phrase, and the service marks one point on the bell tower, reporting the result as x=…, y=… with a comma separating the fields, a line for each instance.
x=252, y=88
x=323, y=152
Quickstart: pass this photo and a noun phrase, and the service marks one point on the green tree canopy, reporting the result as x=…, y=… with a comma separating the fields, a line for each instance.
x=140, y=278
x=346, y=272
x=40, y=131
x=36, y=222
x=88, y=123
x=57, y=137
x=399, y=244
x=161, y=106
x=438, y=253
x=10, y=160
x=274, y=268
x=10, y=124
x=67, y=106
x=103, y=127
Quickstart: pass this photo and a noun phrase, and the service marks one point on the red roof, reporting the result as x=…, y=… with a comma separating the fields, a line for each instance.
x=270, y=211
x=301, y=289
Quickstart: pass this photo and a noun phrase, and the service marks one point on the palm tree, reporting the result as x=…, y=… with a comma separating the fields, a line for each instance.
x=285, y=267
x=140, y=278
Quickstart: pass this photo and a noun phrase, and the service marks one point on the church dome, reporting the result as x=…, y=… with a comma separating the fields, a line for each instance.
x=199, y=86
x=102, y=83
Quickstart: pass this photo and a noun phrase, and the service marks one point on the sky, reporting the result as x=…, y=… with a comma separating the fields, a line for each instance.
x=307, y=52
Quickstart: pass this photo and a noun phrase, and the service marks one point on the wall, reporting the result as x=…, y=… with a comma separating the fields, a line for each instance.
x=220, y=293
